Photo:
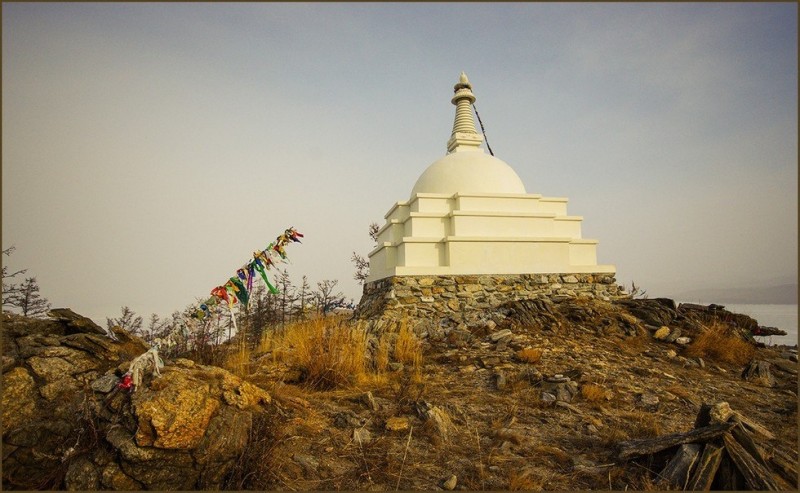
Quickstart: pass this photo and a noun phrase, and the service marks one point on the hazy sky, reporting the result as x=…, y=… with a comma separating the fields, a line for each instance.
x=148, y=149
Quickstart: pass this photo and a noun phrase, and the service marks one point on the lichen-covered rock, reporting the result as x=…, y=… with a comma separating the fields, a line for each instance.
x=50, y=369
x=237, y=392
x=662, y=333
x=82, y=475
x=174, y=411
x=106, y=383
x=18, y=399
x=59, y=388
x=114, y=478
x=74, y=323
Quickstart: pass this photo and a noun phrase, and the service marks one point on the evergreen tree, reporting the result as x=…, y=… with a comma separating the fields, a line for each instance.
x=303, y=296
x=360, y=262
x=286, y=296
x=29, y=301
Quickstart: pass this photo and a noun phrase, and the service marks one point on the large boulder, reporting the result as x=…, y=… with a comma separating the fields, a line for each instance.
x=68, y=425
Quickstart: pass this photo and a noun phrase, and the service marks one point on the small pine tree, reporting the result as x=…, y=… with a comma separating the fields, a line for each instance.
x=360, y=262
x=286, y=296
x=303, y=295
x=362, y=268
x=29, y=300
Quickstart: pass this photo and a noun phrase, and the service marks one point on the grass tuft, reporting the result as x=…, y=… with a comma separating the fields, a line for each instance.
x=526, y=480
x=719, y=343
x=407, y=348
x=529, y=355
x=633, y=425
x=593, y=393
x=328, y=353
x=237, y=362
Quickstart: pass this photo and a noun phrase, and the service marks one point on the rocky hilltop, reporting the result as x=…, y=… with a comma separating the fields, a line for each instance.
x=68, y=424
x=531, y=394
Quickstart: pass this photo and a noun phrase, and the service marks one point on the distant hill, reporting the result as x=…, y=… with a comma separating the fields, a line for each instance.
x=783, y=294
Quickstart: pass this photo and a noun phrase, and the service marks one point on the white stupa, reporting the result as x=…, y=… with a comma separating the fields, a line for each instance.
x=469, y=213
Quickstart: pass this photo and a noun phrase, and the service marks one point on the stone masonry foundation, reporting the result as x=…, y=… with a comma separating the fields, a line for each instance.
x=434, y=298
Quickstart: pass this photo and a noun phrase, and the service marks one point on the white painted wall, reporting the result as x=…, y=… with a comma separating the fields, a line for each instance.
x=482, y=233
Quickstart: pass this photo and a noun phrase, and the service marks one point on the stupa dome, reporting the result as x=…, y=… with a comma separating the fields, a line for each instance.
x=469, y=172
x=467, y=168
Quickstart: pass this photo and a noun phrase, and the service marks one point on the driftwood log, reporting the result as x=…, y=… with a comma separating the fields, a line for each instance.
x=725, y=451
x=784, y=465
x=728, y=477
x=758, y=372
x=649, y=446
x=677, y=470
x=755, y=475
x=706, y=470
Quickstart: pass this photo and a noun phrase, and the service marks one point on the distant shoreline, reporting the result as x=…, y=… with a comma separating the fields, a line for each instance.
x=785, y=294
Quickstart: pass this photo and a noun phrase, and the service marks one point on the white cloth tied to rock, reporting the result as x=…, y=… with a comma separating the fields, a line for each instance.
x=142, y=362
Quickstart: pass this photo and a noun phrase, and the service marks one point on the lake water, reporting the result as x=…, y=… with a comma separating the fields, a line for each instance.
x=783, y=317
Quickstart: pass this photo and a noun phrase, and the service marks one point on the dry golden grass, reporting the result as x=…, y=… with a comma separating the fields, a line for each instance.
x=593, y=393
x=525, y=480
x=330, y=354
x=255, y=467
x=682, y=392
x=407, y=348
x=632, y=345
x=266, y=344
x=382, y=356
x=642, y=424
x=633, y=425
x=553, y=455
x=529, y=355
x=644, y=480
x=237, y=362
x=718, y=343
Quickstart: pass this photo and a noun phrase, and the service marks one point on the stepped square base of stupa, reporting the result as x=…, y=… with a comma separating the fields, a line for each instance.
x=441, y=234
x=460, y=298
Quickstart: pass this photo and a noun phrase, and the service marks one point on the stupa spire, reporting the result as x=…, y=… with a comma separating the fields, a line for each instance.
x=464, y=136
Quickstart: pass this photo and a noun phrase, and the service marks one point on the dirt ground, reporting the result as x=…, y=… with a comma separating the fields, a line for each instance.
x=473, y=416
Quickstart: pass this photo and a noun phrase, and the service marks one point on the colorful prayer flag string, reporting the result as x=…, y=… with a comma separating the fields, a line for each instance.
x=238, y=288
